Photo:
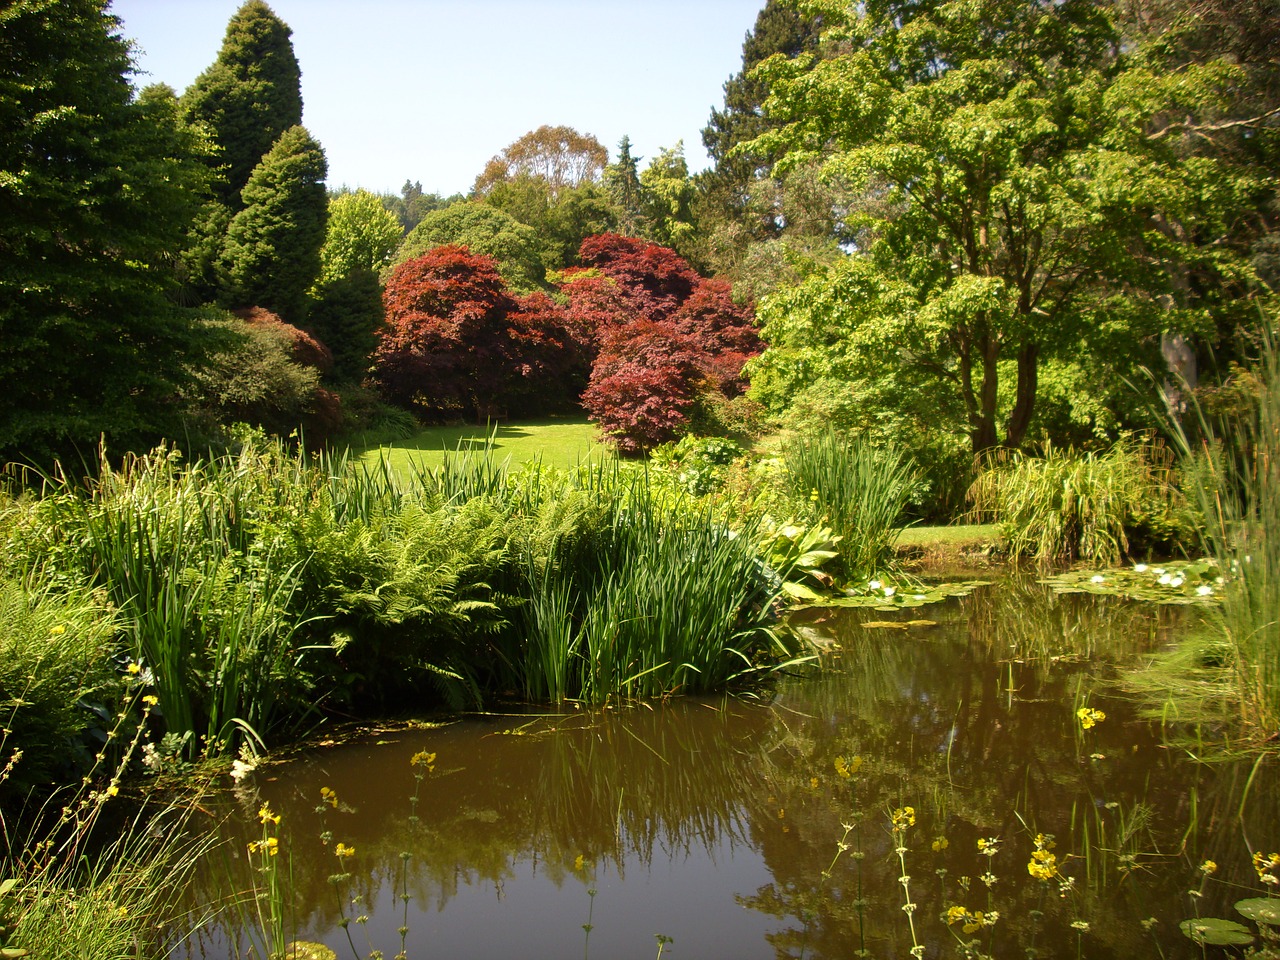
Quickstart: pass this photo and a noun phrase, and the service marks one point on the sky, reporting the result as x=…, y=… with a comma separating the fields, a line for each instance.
x=430, y=90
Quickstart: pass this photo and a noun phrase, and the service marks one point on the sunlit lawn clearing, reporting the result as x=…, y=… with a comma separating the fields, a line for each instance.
x=559, y=443
x=959, y=536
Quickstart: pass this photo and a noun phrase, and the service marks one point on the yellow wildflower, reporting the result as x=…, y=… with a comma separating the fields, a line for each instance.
x=265, y=815
x=423, y=759
x=1208, y=867
x=329, y=796
x=578, y=861
x=270, y=846
x=1090, y=717
x=134, y=668
x=150, y=700
x=342, y=850
x=902, y=818
x=940, y=844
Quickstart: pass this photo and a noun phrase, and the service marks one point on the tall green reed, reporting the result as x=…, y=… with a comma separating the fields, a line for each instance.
x=1236, y=471
x=1078, y=505
x=860, y=491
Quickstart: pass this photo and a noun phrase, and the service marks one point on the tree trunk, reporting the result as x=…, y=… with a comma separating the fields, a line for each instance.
x=983, y=436
x=1025, y=402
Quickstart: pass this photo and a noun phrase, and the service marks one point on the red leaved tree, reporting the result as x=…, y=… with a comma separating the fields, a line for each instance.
x=666, y=339
x=456, y=342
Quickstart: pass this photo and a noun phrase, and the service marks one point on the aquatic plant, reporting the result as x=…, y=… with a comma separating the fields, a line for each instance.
x=860, y=491
x=1067, y=505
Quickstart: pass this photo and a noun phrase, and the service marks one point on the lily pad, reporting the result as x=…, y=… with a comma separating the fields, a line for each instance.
x=892, y=597
x=1214, y=932
x=1197, y=582
x=1261, y=910
x=884, y=625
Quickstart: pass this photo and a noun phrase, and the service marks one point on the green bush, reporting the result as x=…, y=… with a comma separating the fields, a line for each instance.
x=54, y=662
x=1071, y=505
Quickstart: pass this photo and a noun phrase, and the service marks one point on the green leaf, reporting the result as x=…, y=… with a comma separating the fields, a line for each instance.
x=1214, y=932
x=1260, y=909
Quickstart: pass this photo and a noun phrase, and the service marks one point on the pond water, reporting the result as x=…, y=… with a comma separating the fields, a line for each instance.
x=720, y=823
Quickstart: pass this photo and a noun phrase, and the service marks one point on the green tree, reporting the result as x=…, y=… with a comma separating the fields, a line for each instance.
x=361, y=234
x=622, y=181
x=346, y=315
x=96, y=191
x=1011, y=195
x=483, y=230
x=666, y=200
x=561, y=220
x=272, y=252
x=249, y=96
x=560, y=157
x=731, y=188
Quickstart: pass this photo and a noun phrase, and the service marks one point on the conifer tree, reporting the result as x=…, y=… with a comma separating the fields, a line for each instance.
x=249, y=96
x=272, y=253
x=96, y=189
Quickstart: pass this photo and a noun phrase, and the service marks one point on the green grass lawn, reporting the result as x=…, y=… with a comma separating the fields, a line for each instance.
x=954, y=537
x=562, y=442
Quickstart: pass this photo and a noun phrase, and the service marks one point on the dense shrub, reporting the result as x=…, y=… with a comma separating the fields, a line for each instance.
x=669, y=346
x=457, y=343
x=1082, y=505
x=54, y=662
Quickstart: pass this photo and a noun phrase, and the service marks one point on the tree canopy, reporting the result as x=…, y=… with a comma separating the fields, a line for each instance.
x=560, y=157
x=96, y=191
x=249, y=96
x=1010, y=199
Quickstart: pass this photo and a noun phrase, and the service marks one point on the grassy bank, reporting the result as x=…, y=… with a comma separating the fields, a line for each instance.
x=560, y=443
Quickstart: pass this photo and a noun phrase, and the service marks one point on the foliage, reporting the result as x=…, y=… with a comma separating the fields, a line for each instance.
x=1070, y=505
x=666, y=199
x=54, y=662
x=271, y=256
x=457, y=342
x=858, y=490
x=622, y=182
x=695, y=464
x=1048, y=185
x=561, y=218
x=1236, y=483
x=253, y=378
x=361, y=234
x=97, y=190
x=347, y=315
x=248, y=97
x=560, y=157
x=484, y=230
x=779, y=29
x=665, y=341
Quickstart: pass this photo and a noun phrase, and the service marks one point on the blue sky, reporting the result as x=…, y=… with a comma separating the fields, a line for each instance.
x=429, y=90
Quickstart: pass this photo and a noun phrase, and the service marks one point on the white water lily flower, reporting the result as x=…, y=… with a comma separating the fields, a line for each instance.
x=1204, y=590
x=889, y=591
x=1097, y=578
x=1176, y=582
x=874, y=585
x=1158, y=570
x=1165, y=579
x=1139, y=568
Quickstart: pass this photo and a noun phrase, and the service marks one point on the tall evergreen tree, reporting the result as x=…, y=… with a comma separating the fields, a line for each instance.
x=96, y=190
x=622, y=180
x=780, y=29
x=272, y=252
x=249, y=96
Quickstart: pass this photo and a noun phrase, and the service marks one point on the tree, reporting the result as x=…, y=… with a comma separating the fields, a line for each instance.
x=1010, y=197
x=560, y=157
x=456, y=342
x=483, y=230
x=662, y=340
x=272, y=252
x=666, y=199
x=560, y=220
x=96, y=191
x=361, y=234
x=347, y=315
x=622, y=181
x=779, y=29
x=249, y=96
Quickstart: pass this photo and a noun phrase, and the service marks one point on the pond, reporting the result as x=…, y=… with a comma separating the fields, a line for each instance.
x=743, y=829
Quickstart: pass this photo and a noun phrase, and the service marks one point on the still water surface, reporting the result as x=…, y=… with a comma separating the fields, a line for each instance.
x=718, y=823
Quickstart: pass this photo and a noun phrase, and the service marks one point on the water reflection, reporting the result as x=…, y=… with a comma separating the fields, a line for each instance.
x=717, y=822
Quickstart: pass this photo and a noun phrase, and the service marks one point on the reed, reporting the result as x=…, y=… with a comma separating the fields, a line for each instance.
x=1070, y=505
x=860, y=491
x=1237, y=482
